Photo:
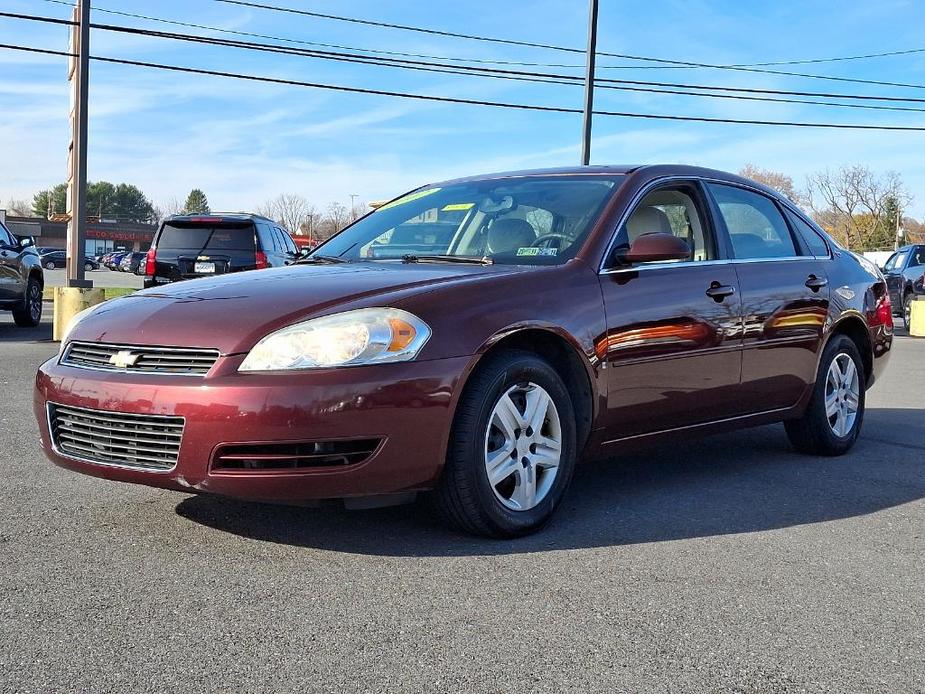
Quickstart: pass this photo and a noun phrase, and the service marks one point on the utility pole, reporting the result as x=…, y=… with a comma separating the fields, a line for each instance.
x=589, y=84
x=79, y=77
x=899, y=229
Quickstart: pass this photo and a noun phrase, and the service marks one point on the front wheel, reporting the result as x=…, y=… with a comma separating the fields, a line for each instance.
x=88, y=267
x=907, y=310
x=833, y=418
x=512, y=448
x=50, y=265
x=29, y=313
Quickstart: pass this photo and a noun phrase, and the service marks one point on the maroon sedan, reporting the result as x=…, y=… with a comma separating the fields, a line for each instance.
x=474, y=339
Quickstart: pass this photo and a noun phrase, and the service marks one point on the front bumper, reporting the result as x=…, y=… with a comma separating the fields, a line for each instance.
x=408, y=405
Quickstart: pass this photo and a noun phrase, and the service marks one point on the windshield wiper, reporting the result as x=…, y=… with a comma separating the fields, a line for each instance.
x=333, y=259
x=468, y=259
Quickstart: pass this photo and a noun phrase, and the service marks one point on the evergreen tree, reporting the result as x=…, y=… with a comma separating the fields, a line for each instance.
x=196, y=203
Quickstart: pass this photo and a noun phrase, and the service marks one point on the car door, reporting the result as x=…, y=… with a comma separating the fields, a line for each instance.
x=672, y=346
x=785, y=298
x=12, y=287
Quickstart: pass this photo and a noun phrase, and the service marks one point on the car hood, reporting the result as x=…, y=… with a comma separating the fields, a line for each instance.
x=234, y=311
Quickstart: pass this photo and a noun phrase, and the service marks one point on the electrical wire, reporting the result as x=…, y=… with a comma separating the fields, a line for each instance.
x=566, y=49
x=460, y=100
x=535, y=77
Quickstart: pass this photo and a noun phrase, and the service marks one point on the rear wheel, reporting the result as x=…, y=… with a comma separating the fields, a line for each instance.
x=50, y=265
x=88, y=267
x=907, y=309
x=29, y=313
x=833, y=418
x=512, y=448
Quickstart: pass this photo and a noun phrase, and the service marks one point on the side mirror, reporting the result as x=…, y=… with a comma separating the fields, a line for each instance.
x=657, y=246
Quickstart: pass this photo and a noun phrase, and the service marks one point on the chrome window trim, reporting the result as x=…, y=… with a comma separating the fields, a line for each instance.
x=67, y=349
x=54, y=446
x=701, y=263
x=602, y=270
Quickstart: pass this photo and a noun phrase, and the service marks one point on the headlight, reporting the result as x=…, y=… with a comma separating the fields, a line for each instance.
x=72, y=323
x=352, y=338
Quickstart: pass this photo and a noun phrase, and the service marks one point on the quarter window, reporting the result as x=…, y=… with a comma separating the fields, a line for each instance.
x=813, y=239
x=756, y=227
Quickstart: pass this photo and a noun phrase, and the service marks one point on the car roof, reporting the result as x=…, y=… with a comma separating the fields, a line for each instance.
x=649, y=170
x=230, y=216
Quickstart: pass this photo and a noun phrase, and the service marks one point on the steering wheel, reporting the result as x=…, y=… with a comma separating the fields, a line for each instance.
x=545, y=238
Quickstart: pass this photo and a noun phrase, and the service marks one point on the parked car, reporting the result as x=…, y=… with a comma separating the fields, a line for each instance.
x=115, y=259
x=572, y=313
x=42, y=250
x=21, y=279
x=190, y=246
x=131, y=262
x=905, y=277
x=58, y=259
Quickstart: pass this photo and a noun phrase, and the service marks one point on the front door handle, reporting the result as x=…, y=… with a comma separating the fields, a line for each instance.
x=816, y=283
x=718, y=291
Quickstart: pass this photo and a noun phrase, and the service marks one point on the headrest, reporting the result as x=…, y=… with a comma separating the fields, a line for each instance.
x=507, y=235
x=647, y=220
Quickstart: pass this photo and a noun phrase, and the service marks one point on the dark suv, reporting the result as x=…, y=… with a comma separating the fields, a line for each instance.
x=21, y=279
x=905, y=274
x=190, y=246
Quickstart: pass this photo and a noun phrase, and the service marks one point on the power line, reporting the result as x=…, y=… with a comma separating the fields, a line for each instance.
x=538, y=77
x=460, y=100
x=535, y=77
x=566, y=49
x=805, y=61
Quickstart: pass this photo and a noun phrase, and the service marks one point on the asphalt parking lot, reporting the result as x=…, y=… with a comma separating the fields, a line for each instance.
x=730, y=565
x=101, y=278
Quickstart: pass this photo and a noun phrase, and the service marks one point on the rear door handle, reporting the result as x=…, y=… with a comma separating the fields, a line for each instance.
x=718, y=291
x=816, y=283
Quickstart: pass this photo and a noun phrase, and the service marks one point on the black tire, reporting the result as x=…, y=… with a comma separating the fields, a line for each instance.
x=29, y=313
x=88, y=267
x=464, y=496
x=907, y=309
x=813, y=433
x=50, y=265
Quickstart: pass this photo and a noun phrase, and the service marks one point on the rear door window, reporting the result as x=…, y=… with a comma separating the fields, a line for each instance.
x=188, y=238
x=756, y=227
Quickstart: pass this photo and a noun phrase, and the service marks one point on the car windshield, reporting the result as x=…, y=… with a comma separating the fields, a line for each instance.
x=531, y=220
x=896, y=260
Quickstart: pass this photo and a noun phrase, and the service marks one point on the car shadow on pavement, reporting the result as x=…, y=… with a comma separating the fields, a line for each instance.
x=10, y=332
x=741, y=482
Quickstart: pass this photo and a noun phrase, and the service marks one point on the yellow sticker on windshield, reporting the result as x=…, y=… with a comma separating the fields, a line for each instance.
x=457, y=206
x=411, y=197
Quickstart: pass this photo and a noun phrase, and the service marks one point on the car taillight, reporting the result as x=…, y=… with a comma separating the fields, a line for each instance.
x=261, y=259
x=151, y=262
x=883, y=314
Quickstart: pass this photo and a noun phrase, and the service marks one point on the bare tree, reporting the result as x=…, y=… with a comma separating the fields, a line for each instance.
x=291, y=210
x=780, y=182
x=853, y=204
x=168, y=207
x=336, y=217
x=19, y=208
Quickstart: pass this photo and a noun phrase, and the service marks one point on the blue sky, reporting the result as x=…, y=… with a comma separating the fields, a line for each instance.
x=244, y=142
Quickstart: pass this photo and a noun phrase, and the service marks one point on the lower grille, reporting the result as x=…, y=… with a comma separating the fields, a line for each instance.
x=281, y=456
x=146, y=442
x=167, y=360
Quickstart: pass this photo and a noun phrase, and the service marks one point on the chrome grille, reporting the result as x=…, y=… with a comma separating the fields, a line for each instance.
x=148, y=442
x=143, y=359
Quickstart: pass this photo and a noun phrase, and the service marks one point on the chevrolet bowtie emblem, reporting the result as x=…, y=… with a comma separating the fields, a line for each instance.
x=124, y=359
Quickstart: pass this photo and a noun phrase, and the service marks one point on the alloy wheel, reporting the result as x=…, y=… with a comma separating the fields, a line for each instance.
x=35, y=301
x=523, y=446
x=842, y=394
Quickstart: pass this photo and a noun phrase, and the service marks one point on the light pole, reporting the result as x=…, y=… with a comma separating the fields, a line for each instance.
x=589, y=84
x=79, y=74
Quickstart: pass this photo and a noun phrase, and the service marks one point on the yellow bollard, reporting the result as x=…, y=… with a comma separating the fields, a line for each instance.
x=917, y=319
x=72, y=300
